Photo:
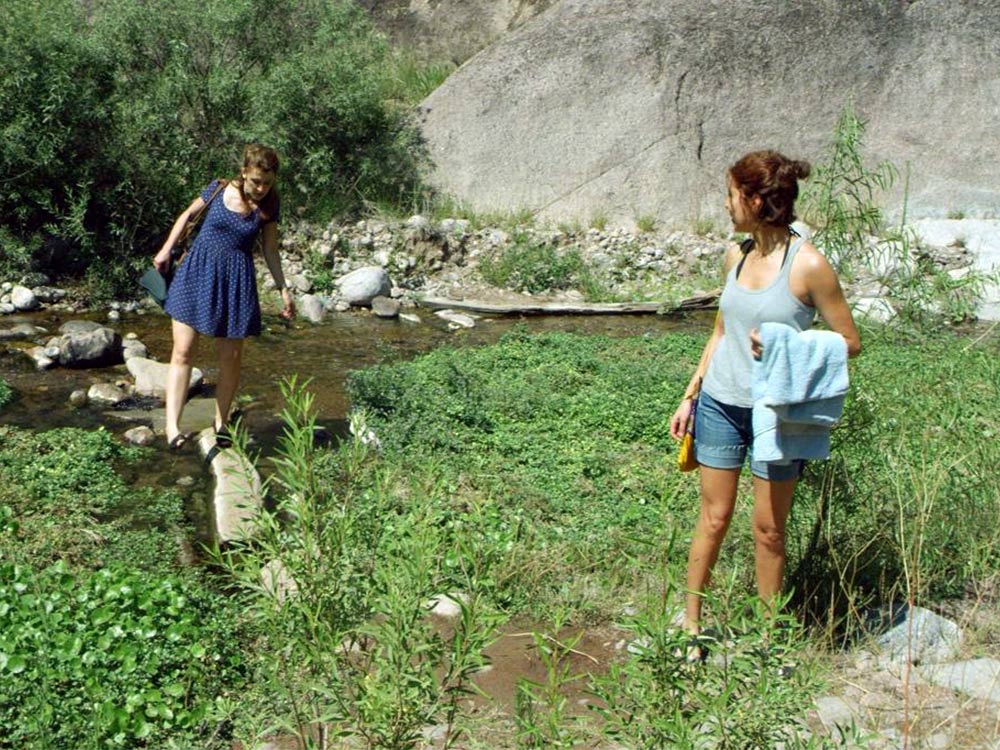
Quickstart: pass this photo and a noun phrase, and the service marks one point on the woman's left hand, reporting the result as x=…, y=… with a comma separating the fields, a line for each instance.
x=756, y=345
x=288, y=311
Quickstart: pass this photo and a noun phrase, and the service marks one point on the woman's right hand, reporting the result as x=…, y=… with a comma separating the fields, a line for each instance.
x=161, y=261
x=679, y=422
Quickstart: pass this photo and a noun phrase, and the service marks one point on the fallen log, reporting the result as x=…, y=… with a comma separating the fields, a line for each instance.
x=702, y=302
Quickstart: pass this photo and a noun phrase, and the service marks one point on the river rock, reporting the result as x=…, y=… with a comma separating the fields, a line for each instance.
x=49, y=295
x=23, y=298
x=80, y=326
x=42, y=361
x=140, y=436
x=20, y=332
x=385, y=307
x=361, y=286
x=7, y=308
x=311, y=308
x=96, y=348
x=238, y=494
x=456, y=318
x=106, y=393
x=916, y=634
x=78, y=398
x=979, y=678
x=448, y=606
x=151, y=377
x=133, y=348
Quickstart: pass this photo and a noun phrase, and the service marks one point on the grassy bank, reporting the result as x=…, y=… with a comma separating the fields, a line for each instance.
x=533, y=477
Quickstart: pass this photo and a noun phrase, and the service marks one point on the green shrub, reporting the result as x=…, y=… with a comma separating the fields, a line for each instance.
x=529, y=266
x=6, y=393
x=110, y=659
x=115, y=115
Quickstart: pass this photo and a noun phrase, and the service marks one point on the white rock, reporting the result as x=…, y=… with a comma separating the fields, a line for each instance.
x=311, y=308
x=140, y=436
x=23, y=298
x=458, y=319
x=448, y=606
x=151, y=377
x=361, y=286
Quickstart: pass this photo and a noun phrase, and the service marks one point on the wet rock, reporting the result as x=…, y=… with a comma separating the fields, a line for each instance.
x=410, y=317
x=114, y=316
x=458, y=319
x=385, y=307
x=20, y=332
x=80, y=326
x=311, y=308
x=94, y=349
x=132, y=347
x=6, y=308
x=151, y=377
x=140, y=436
x=237, y=495
x=42, y=361
x=106, y=393
x=361, y=286
x=78, y=398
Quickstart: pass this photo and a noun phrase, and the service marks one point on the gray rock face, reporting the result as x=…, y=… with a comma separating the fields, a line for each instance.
x=95, y=348
x=636, y=107
x=451, y=29
x=361, y=286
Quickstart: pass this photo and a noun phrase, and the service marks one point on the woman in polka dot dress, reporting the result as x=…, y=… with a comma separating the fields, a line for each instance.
x=214, y=291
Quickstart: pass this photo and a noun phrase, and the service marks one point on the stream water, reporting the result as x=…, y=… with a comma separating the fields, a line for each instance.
x=324, y=353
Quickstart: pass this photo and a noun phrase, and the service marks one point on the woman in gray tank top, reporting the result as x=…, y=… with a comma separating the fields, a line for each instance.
x=775, y=276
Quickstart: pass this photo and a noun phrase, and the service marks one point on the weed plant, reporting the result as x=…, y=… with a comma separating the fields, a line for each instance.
x=6, y=393
x=531, y=266
x=348, y=648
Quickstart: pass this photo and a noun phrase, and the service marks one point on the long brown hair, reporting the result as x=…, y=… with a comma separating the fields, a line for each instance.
x=775, y=178
x=256, y=156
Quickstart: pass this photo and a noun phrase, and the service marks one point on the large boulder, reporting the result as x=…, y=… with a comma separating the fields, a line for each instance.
x=635, y=107
x=361, y=286
x=90, y=348
x=450, y=29
x=151, y=377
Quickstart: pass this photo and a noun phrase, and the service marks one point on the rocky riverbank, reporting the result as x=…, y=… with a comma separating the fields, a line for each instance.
x=340, y=267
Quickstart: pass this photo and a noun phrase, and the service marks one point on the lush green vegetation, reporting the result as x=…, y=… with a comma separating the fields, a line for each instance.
x=104, y=641
x=115, y=114
x=535, y=477
x=6, y=393
x=532, y=266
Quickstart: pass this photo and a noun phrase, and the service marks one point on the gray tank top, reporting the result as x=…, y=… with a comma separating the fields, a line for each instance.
x=742, y=309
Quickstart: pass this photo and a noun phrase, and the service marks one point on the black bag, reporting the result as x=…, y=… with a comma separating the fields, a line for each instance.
x=156, y=283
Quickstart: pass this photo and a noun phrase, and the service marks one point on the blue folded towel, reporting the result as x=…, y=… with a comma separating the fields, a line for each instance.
x=798, y=387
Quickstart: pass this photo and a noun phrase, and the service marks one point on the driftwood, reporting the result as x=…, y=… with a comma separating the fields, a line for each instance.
x=703, y=302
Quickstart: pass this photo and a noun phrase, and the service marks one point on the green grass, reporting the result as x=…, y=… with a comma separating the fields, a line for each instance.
x=531, y=266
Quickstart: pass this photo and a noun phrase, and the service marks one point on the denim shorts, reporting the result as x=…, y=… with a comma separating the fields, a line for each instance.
x=723, y=435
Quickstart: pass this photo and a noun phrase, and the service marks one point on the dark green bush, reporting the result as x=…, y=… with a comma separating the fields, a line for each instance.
x=6, y=393
x=115, y=117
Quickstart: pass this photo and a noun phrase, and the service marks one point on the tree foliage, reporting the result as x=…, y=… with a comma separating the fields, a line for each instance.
x=114, y=116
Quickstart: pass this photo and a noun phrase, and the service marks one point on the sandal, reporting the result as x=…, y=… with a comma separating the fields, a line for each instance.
x=180, y=440
x=223, y=438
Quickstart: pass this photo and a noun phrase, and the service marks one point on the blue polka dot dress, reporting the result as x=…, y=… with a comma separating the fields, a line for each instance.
x=215, y=289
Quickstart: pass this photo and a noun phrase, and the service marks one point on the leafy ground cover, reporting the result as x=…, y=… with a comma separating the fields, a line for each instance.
x=534, y=477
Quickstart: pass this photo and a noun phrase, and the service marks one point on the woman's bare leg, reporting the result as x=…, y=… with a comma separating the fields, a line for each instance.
x=718, y=499
x=230, y=361
x=179, y=375
x=772, y=502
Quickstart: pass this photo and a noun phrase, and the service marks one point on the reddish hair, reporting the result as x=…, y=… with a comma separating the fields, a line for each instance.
x=266, y=159
x=775, y=179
